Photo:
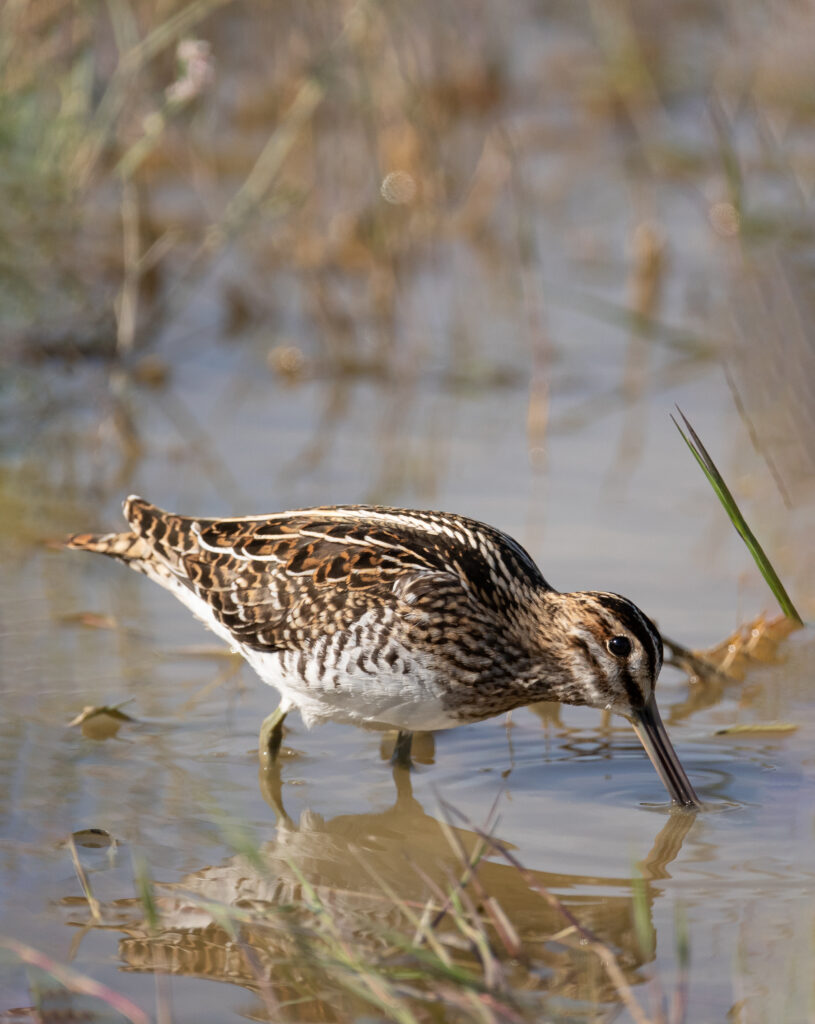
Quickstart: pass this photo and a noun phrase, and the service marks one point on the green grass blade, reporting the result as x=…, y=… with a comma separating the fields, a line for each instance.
x=708, y=466
x=643, y=925
x=147, y=895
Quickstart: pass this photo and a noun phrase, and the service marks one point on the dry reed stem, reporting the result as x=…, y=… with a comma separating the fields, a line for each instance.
x=73, y=981
x=603, y=952
x=93, y=902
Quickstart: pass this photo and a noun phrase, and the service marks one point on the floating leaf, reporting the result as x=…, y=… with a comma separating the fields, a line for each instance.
x=92, y=710
x=90, y=620
x=92, y=838
x=757, y=729
x=203, y=651
x=101, y=722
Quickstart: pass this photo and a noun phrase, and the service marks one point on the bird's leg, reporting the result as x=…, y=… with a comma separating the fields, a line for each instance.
x=271, y=736
x=401, y=751
x=271, y=789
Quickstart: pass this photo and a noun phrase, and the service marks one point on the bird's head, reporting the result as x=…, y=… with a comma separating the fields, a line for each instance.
x=609, y=658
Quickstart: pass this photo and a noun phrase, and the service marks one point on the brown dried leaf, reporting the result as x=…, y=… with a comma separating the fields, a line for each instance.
x=100, y=722
x=92, y=710
x=93, y=838
x=756, y=641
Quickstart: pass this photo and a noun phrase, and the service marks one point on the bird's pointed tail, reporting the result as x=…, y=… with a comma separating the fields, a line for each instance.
x=155, y=536
x=128, y=547
x=125, y=546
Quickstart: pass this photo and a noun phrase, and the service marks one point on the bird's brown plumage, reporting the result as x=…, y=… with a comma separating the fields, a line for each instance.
x=409, y=618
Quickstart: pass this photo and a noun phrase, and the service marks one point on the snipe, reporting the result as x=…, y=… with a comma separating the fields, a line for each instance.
x=415, y=620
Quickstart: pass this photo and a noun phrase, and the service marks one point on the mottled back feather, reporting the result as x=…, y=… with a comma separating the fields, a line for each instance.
x=278, y=582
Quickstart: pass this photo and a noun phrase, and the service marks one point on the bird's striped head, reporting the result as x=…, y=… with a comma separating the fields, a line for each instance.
x=612, y=655
x=615, y=651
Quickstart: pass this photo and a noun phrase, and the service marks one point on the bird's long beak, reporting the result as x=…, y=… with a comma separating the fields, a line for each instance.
x=648, y=726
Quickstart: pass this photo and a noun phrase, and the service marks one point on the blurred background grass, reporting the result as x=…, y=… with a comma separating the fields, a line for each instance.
x=300, y=175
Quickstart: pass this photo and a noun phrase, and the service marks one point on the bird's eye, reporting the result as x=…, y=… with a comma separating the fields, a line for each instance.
x=619, y=646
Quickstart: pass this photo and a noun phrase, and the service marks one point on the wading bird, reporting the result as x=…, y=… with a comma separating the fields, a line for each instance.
x=390, y=617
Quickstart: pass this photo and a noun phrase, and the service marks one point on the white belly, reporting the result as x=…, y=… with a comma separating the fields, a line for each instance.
x=324, y=686
x=345, y=693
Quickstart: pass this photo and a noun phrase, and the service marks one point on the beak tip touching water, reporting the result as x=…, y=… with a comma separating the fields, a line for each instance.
x=648, y=726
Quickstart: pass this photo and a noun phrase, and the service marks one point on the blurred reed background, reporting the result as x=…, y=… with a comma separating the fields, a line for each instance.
x=372, y=189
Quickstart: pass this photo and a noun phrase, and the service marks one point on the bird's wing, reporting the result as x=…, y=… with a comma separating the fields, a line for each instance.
x=279, y=582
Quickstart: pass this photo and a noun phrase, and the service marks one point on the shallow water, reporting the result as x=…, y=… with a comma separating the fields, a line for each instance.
x=548, y=420
x=576, y=798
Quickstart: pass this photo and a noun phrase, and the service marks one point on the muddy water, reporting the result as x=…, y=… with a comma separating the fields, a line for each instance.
x=511, y=390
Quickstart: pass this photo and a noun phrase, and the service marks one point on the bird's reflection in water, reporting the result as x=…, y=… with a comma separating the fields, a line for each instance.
x=356, y=881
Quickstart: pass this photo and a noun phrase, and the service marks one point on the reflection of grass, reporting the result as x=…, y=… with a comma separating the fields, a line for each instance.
x=708, y=466
x=353, y=946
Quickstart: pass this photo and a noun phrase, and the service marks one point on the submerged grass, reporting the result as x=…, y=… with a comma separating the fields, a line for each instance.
x=723, y=493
